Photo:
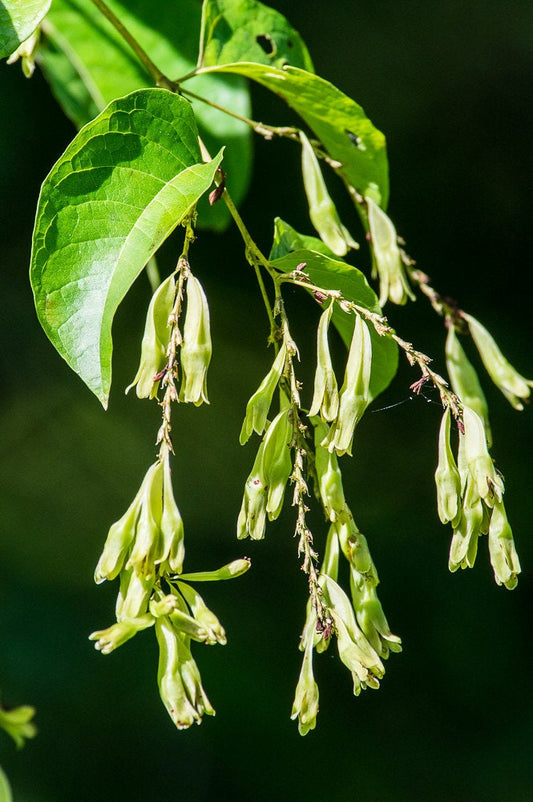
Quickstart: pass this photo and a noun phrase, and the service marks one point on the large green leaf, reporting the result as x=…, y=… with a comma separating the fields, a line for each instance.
x=123, y=184
x=246, y=30
x=88, y=64
x=291, y=249
x=338, y=121
x=18, y=20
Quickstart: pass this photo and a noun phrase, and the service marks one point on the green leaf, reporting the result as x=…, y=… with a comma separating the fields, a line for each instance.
x=246, y=30
x=338, y=121
x=88, y=65
x=18, y=20
x=123, y=184
x=334, y=274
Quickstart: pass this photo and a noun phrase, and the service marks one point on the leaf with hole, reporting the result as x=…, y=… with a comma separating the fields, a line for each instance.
x=121, y=187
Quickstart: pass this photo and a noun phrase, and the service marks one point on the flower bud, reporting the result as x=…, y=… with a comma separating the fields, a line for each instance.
x=447, y=476
x=197, y=348
x=203, y=615
x=488, y=484
x=326, y=395
x=277, y=462
x=503, y=556
x=252, y=516
x=355, y=548
x=322, y=210
x=172, y=532
x=118, y=543
x=17, y=722
x=355, y=392
x=178, y=678
x=134, y=594
x=514, y=386
x=371, y=618
x=464, y=380
x=463, y=548
x=328, y=475
x=259, y=404
x=230, y=571
x=147, y=548
x=386, y=257
x=305, y=705
x=107, y=640
x=155, y=340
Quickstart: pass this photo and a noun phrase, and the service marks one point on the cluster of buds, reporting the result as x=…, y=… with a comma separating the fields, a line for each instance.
x=322, y=210
x=470, y=497
x=145, y=548
x=387, y=261
x=162, y=337
x=344, y=408
x=358, y=622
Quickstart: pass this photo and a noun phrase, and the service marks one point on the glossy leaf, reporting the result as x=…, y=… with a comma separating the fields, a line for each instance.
x=337, y=121
x=123, y=184
x=334, y=274
x=88, y=65
x=18, y=20
x=246, y=30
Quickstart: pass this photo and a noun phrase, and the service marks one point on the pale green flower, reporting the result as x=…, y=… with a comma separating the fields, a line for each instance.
x=447, y=476
x=386, y=257
x=305, y=705
x=197, y=349
x=326, y=395
x=464, y=380
x=259, y=404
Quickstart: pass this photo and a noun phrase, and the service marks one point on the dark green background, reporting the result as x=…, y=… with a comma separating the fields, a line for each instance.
x=450, y=85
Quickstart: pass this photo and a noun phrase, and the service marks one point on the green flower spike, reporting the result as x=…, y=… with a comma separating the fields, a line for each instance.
x=305, y=705
x=17, y=722
x=326, y=395
x=503, y=556
x=355, y=393
x=259, y=404
x=514, y=386
x=178, y=677
x=197, y=349
x=447, y=476
x=155, y=340
x=386, y=257
x=322, y=210
x=464, y=380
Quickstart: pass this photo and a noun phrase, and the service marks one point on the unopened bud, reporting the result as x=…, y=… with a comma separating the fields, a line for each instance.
x=326, y=395
x=386, y=257
x=259, y=404
x=197, y=349
x=464, y=380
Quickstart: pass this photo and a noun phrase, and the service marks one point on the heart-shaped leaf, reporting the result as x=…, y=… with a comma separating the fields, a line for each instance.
x=121, y=187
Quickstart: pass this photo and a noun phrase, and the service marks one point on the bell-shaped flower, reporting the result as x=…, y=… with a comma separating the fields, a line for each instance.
x=259, y=404
x=155, y=340
x=328, y=475
x=196, y=349
x=305, y=705
x=371, y=618
x=447, y=476
x=467, y=530
x=17, y=722
x=276, y=461
x=503, y=556
x=486, y=481
x=464, y=380
x=252, y=515
x=322, y=210
x=355, y=392
x=326, y=395
x=178, y=678
x=514, y=386
x=107, y=640
x=386, y=257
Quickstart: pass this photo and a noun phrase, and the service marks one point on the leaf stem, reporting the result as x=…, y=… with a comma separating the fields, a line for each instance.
x=159, y=77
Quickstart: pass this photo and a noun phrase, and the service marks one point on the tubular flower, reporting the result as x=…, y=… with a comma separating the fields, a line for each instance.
x=197, y=348
x=464, y=380
x=322, y=210
x=326, y=395
x=355, y=392
x=514, y=386
x=305, y=705
x=259, y=404
x=386, y=257
x=503, y=556
x=447, y=476
x=155, y=340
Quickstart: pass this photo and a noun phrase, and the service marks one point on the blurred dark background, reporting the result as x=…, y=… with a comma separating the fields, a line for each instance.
x=450, y=84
